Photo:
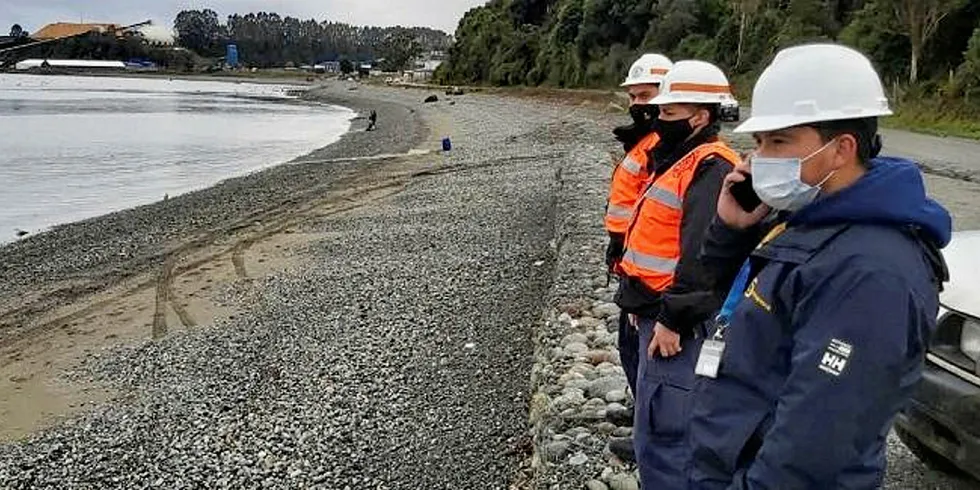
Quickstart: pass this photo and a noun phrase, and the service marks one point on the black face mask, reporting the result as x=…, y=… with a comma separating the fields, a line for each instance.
x=645, y=116
x=645, y=120
x=673, y=133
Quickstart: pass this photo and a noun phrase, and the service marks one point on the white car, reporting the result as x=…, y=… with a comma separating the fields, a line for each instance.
x=941, y=424
x=729, y=110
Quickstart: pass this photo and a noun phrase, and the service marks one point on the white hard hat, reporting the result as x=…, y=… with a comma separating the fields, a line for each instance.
x=813, y=83
x=648, y=69
x=694, y=82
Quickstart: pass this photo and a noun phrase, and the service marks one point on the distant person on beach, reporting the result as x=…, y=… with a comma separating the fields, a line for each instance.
x=372, y=120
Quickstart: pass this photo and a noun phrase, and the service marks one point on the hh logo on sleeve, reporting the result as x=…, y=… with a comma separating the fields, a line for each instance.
x=835, y=358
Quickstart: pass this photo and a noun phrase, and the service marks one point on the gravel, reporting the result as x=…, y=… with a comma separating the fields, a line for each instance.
x=457, y=335
x=399, y=357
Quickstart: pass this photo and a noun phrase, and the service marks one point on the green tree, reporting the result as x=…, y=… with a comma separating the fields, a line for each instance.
x=919, y=21
x=399, y=49
x=572, y=43
x=17, y=32
x=968, y=73
x=200, y=31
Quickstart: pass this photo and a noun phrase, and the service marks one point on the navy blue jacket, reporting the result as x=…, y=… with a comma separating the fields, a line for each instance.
x=827, y=342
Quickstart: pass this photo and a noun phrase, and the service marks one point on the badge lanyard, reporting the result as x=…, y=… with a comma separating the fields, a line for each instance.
x=741, y=283
x=734, y=296
x=709, y=359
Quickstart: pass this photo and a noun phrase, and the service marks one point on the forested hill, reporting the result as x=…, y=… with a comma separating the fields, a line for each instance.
x=590, y=43
x=266, y=39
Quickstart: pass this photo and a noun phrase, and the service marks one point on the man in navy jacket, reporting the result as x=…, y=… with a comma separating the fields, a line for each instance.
x=822, y=338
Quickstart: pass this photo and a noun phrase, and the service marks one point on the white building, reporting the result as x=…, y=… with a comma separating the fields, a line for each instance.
x=71, y=64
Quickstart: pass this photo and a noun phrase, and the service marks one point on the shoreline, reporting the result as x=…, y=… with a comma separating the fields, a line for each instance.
x=297, y=95
x=107, y=269
x=332, y=100
x=285, y=177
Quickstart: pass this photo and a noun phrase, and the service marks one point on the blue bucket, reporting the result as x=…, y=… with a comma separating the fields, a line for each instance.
x=446, y=144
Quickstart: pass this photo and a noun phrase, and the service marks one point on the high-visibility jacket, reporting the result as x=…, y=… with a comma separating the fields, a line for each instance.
x=653, y=238
x=627, y=182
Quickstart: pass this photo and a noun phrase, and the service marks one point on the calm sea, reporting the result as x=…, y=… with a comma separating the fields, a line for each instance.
x=77, y=147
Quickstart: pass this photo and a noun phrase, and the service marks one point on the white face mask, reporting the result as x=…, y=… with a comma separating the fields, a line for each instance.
x=777, y=181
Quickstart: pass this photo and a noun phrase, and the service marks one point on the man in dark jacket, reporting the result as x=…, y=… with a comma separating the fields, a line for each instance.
x=823, y=334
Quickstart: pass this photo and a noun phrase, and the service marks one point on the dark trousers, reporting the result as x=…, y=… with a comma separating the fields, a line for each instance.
x=662, y=415
x=629, y=350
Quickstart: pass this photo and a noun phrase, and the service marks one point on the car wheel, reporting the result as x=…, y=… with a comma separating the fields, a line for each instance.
x=930, y=458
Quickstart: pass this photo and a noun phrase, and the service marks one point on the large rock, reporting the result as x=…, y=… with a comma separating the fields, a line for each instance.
x=595, y=404
x=603, y=339
x=623, y=432
x=619, y=415
x=606, y=428
x=569, y=376
x=581, y=384
x=623, y=482
x=557, y=450
x=575, y=338
x=595, y=485
x=600, y=356
x=589, y=322
x=571, y=399
x=610, y=369
x=605, y=310
x=602, y=386
x=616, y=396
x=576, y=348
x=584, y=369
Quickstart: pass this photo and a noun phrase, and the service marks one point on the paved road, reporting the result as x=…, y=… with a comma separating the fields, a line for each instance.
x=952, y=156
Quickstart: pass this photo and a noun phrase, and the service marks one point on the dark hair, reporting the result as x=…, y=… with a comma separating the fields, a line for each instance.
x=864, y=130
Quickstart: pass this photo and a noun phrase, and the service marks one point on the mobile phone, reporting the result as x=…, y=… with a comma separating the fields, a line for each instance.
x=744, y=194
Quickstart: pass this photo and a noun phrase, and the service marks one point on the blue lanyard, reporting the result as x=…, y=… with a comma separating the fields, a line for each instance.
x=734, y=295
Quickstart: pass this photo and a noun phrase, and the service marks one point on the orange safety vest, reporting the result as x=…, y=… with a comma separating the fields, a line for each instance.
x=653, y=239
x=627, y=183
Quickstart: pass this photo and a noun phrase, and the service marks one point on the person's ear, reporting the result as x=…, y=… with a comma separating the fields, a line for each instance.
x=701, y=118
x=845, y=150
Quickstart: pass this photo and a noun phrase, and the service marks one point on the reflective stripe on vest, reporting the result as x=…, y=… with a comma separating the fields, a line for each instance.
x=619, y=211
x=628, y=180
x=664, y=196
x=651, y=262
x=632, y=166
x=653, y=239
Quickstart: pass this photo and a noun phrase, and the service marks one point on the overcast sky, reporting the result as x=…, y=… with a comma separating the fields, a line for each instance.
x=33, y=14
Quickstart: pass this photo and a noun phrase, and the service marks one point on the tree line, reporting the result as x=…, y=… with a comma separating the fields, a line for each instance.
x=928, y=44
x=264, y=40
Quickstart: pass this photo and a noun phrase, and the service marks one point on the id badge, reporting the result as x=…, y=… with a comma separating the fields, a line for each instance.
x=710, y=358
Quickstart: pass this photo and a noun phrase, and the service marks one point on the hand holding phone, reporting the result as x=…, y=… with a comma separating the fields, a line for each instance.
x=744, y=194
x=738, y=205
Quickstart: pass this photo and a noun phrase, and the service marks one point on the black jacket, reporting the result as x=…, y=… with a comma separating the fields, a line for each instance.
x=695, y=295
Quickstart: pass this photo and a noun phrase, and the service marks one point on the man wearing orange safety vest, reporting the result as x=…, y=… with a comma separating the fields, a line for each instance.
x=630, y=175
x=664, y=289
